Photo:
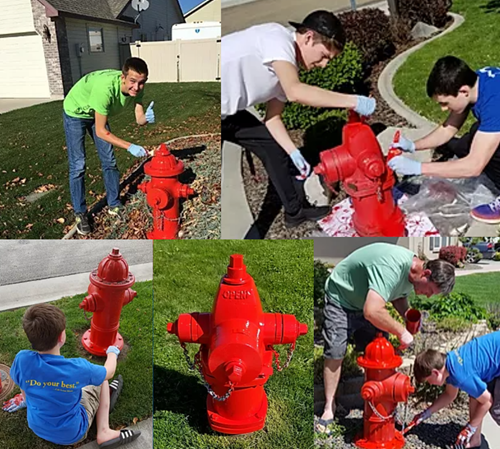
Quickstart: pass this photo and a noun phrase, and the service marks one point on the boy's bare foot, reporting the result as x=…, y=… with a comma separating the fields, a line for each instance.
x=107, y=435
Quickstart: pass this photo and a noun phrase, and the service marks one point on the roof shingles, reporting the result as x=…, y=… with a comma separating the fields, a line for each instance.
x=102, y=9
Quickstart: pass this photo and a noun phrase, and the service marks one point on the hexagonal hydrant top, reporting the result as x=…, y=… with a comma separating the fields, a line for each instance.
x=164, y=164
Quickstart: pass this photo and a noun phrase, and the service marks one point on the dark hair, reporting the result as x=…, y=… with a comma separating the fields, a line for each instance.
x=448, y=75
x=425, y=362
x=334, y=43
x=43, y=324
x=442, y=274
x=137, y=65
x=326, y=27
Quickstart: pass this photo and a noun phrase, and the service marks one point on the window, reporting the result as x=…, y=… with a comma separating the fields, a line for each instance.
x=96, y=40
x=435, y=243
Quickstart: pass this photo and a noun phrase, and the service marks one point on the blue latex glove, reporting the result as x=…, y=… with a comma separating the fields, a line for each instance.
x=136, y=150
x=150, y=115
x=405, y=166
x=14, y=404
x=114, y=350
x=405, y=144
x=302, y=166
x=365, y=105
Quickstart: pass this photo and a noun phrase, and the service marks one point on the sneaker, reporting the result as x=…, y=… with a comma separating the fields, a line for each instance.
x=117, y=211
x=82, y=224
x=487, y=213
x=312, y=213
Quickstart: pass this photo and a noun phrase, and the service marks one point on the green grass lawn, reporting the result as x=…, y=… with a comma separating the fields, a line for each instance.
x=33, y=153
x=134, y=364
x=483, y=287
x=475, y=41
x=186, y=278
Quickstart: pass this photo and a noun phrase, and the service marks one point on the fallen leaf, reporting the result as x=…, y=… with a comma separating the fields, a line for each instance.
x=61, y=220
x=135, y=421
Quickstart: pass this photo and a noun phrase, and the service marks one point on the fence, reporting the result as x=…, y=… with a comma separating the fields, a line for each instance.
x=180, y=60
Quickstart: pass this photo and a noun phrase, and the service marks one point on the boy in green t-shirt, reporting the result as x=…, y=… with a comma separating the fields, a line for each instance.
x=89, y=103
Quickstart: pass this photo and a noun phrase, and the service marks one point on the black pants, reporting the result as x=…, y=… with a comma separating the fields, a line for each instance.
x=246, y=130
x=461, y=148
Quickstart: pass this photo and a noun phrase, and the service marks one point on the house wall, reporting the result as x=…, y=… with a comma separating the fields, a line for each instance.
x=113, y=36
x=161, y=13
x=207, y=13
x=17, y=17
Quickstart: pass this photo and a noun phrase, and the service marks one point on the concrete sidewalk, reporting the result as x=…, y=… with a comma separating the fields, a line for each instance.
x=145, y=441
x=281, y=11
x=11, y=104
x=487, y=266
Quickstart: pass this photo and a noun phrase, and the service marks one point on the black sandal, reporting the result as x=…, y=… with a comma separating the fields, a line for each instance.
x=126, y=436
x=115, y=388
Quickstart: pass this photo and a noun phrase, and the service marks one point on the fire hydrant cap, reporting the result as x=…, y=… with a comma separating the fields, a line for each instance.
x=112, y=270
x=379, y=354
x=236, y=270
x=164, y=164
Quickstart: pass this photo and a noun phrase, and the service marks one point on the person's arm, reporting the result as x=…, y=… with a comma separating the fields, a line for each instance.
x=376, y=313
x=401, y=305
x=108, y=136
x=302, y=93
x=482, y=149
x=485, y=403
x=443, y=133
x=275, y=125
x=140, y=116
x=110, y=365
x=445, y=399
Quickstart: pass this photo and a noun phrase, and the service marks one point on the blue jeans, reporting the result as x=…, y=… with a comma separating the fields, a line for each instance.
x=75, y=130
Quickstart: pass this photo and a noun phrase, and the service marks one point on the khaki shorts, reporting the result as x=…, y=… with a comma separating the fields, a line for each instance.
x=90, y=402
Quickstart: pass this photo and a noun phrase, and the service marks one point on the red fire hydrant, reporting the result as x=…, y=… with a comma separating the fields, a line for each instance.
x=236, y=352
x=109, y=291
x=163, y=193
x=382, y=390
x=360, y=165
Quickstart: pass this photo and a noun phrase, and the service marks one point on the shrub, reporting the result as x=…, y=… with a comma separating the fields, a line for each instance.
x=400, y=31
x=432, y=12
x=456, y=305
x=342, y=74
x=496, y=256
x=370, y=30
x=453, y=254
x=320, y=275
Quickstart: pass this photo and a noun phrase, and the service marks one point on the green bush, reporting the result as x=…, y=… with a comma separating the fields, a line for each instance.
x=321, y=273
x=432, y=12
x=370, y=30
x=454, y=305
x=496, y=256
x=342, y=74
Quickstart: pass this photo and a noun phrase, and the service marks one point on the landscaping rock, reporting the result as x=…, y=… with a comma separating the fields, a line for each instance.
x=422, y=30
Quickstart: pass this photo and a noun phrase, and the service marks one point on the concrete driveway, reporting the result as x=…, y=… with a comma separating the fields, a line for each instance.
x=11, y=104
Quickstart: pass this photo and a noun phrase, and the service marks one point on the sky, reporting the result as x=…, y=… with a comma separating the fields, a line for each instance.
x=186, y=5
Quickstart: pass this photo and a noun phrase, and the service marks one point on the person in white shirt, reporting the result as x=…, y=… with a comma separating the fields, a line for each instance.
x=261, y=65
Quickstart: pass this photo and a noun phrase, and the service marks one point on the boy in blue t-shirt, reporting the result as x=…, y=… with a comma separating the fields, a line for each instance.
x=459, y=89
x=62, y=396
x=473, y=368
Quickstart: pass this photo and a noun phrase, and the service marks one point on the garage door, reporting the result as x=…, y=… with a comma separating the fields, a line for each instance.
x=23, y=73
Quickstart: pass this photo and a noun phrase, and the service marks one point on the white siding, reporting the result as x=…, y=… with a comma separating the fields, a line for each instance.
x=88, y=62
x=208, y=13
x=17, y=16
x=23, y=73
x=162, y=13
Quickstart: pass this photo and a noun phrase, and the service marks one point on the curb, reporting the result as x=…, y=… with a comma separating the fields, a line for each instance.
x=385, y=80
x=97, y=207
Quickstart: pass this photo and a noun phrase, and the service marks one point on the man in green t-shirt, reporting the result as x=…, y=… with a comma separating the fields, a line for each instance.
x=89, y=103
x=357, y=291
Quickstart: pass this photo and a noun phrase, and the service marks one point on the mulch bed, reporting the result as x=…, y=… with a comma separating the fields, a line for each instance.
x=200, y=215
x=262, y=198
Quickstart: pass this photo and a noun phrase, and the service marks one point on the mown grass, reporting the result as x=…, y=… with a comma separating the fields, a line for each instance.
x=186, y=278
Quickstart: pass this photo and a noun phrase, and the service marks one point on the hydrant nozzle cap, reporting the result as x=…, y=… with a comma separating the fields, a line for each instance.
x=171, y=328
x=236, y=270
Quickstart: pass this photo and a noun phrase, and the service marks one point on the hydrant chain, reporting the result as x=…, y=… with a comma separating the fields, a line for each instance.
x=383, y=418
x=288, y=359
x=85, y=315
x=197, y=365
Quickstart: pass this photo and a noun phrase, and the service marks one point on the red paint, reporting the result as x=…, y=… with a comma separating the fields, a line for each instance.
x=360, y=165
x=236, y=341
x=383, y=388
x=108, y=133
x=109, y=291
x=163, y=193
